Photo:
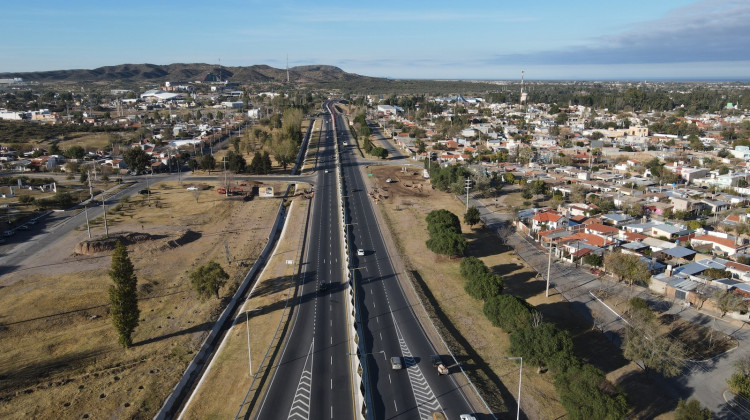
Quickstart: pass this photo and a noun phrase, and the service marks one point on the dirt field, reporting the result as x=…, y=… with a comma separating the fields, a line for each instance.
x=229, y=379
x=59, y=356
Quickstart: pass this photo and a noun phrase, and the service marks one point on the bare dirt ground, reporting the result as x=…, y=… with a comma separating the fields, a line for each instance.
x=229, y=379
x=59, y=356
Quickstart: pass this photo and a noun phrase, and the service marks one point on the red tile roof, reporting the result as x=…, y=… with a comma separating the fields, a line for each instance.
x=604, y=229
x=633, y=236
x=547, y=216
x=729, y=243
x=737, y=266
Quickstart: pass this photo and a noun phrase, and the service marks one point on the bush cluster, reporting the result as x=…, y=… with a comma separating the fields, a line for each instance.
x=445, y=233
x=481, y=283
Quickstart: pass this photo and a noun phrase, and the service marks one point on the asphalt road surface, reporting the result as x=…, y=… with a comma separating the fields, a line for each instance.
x=313, y=379
x=391, y=327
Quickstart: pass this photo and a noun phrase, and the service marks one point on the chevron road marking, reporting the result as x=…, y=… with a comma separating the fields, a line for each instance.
x=301, y=404
x=427, y=403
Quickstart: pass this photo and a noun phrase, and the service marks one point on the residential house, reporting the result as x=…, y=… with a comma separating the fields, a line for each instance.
x=723, y=245
x=548, y=219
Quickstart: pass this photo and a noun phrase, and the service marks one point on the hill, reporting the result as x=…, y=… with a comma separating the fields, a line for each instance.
x=191, y=72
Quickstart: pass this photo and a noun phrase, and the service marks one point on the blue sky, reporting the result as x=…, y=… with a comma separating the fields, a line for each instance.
x=572, y=39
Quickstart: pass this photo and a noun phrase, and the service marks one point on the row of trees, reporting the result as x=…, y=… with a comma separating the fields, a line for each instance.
x=444, y=229
x=582, y=388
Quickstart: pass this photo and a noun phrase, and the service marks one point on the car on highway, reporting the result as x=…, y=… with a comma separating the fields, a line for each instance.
x=396, y=363
x=24, y=227
x=360, y=252
x=467, y=417
x=192, y=188
x=144, y=192
x=326, y=170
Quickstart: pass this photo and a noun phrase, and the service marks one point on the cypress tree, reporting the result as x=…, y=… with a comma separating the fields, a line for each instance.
x=123, y=298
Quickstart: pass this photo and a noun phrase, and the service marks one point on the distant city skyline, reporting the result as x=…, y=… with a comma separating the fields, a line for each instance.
x=572, y=40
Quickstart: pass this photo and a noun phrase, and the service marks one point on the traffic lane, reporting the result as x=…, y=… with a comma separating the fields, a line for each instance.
x=380, y=333
x=331, y=364
x=447, y=391
x=310, y=318
x=390, y=397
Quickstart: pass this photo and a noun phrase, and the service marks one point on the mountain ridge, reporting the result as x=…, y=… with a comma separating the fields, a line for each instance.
x=189, y=72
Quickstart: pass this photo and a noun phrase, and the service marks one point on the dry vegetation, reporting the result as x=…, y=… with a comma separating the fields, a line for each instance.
x=228, y=382
x=59, y=355
x=480, y=346
x=477, y=344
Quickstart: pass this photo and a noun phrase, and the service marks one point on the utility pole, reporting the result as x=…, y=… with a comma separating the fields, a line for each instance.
x=549, y=267
x=91, y=190
x=226, y=186
x=88, y=227
x=468, y=187
x=104, y=207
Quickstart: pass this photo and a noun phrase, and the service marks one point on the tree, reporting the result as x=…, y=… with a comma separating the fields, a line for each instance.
x=75, y=152
x=136, y=159
x=655, y=352
x=123, y=298
x=208, y=163
x=728, y=302
x=235, y=162
x=594, y=260
x=739, y=382
x=484, y=285
x=447, y=243
x=581, y=392
x=208, y=279
x=471, y=217
x=442, y=220
x=627, y=267
x=256, y=165
x=507, y=312
x=543, y=345
x=193, y=164
x=691, y=410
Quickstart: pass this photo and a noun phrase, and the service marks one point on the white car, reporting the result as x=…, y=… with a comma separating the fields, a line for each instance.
x=467, y=417
x=192, y=188
x=360, y=252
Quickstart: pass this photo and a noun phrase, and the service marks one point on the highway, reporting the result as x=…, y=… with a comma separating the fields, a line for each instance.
x=389, y=323
x=312, y=379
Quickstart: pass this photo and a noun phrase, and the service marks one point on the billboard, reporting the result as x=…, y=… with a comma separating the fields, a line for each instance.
x=266, y=191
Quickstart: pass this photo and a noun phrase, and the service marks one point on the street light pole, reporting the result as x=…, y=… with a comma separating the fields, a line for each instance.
x=247, y=325
x=520, y=378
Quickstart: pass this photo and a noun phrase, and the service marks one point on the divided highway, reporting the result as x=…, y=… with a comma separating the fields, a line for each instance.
x=312, y=379
x=390, y=325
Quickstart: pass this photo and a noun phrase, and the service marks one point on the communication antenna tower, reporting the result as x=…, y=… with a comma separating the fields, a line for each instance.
x=287, y=68
x=523, y=89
